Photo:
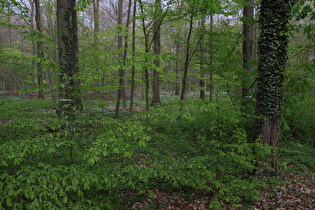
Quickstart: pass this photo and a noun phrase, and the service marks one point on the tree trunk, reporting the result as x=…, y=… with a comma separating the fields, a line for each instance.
x=202, y=60
x=39, y=50
x=69, y=92
x=177, y=69
x=120, y=57
x=211, y=59
x=147, y=50
x=273, y=42
x=248, y=47
x=132, y=88
x=96, y=17
x=187, y=59
x=157, y=51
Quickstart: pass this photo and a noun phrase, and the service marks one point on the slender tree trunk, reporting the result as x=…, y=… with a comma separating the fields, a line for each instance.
x=248, y=47
x=132, y=88
x=177, y=69
x=187, y=59
x=202, y=60
x=34, y=50
x=39, y=50
x=273, y=42
x=119, y=46
x=147, y=50
x=211, y=59
x=69, y=92
x=157, y=51
x=96, y=16
x=96, y=32
x=126, y=50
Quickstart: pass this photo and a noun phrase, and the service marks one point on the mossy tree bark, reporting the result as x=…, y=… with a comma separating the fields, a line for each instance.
x=273, y=42
x=69, y=92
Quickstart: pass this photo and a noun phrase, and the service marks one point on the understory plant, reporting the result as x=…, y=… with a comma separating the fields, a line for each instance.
x=201, y=147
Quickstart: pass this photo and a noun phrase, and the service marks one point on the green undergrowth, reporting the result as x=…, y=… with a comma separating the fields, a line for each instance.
x=187, y=148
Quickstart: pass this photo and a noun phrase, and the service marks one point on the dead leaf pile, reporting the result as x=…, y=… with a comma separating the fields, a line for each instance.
x=297, y=193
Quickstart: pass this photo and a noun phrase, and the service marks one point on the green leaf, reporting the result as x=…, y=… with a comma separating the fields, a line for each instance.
x=9, y=202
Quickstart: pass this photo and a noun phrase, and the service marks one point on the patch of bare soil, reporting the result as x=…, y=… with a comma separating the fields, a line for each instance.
x=5, y=121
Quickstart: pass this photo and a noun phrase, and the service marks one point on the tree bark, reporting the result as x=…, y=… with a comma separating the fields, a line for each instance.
x=211, y=60
x=202, y=60
x=157, y=51
x=120, y=57
x=132, y=88
x=177, y=68
x=69, y=92
x=96, y=16
x=39, y=50
x=147, y=50
x=187, y=59
x=273, y=42
x=248, y=47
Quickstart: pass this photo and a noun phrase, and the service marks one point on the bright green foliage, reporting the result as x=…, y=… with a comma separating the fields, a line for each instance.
x=203, y=148
x=44, y=166
x=206, y=150
x=301, y=155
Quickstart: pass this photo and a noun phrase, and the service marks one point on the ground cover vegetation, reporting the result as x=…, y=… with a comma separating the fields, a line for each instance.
x=157, y=104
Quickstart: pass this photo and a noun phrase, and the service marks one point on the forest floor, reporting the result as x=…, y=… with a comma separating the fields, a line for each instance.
x=294, y=190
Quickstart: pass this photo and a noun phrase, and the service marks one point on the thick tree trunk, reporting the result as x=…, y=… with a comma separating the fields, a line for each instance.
x=273, y=42
x=69, y=92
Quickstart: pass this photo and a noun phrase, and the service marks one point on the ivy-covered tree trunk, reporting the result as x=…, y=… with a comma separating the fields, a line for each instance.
x=69, y=93
x=273, y=42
